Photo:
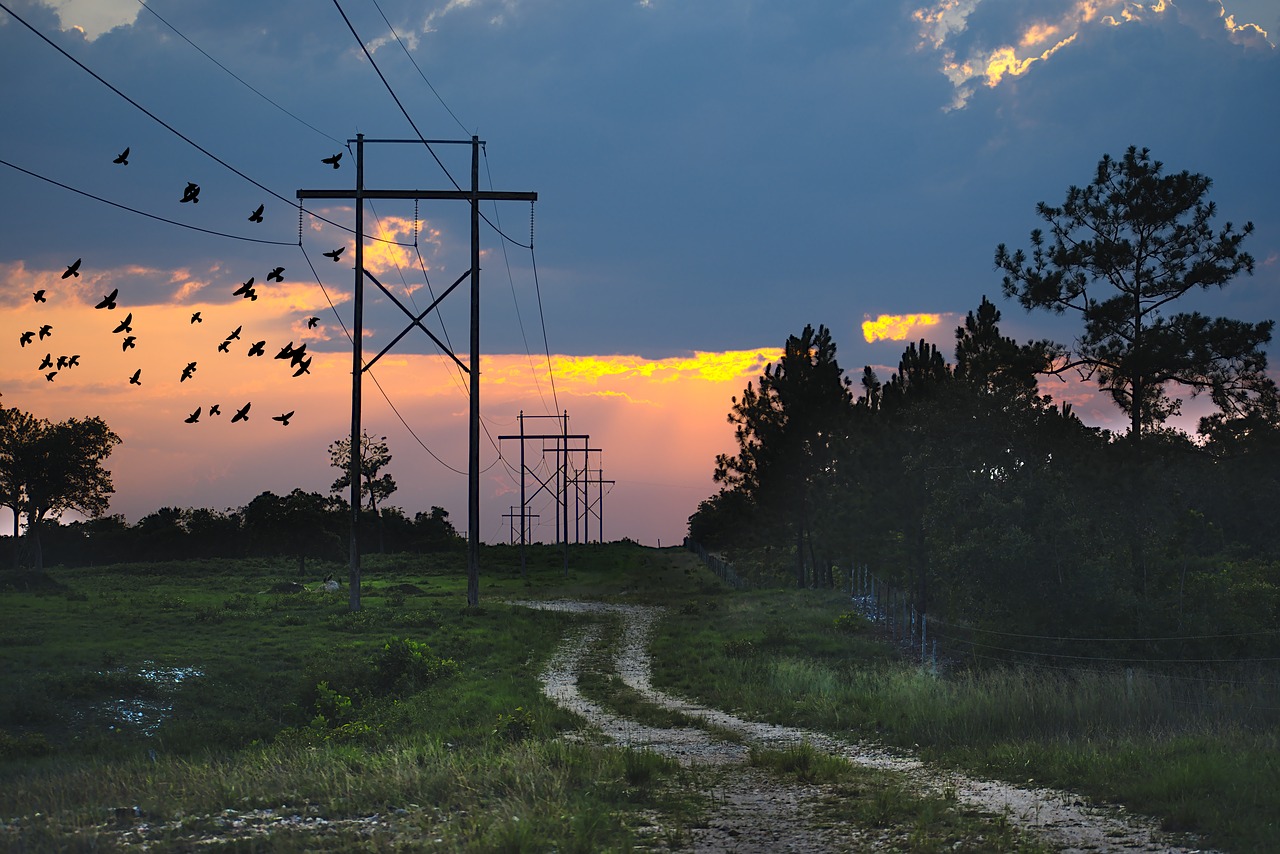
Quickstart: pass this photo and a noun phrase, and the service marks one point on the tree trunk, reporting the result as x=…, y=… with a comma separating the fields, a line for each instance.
x=800, y=574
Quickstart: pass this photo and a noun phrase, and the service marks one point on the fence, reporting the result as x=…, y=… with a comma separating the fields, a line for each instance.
x=718, y=565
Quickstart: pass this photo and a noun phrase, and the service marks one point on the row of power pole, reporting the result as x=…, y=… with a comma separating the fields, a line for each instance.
x=560, y=481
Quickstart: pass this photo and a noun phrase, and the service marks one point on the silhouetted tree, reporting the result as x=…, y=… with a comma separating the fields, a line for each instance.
x=16, y=428
x=374, y=457
x=786, y=434
x=57, y=467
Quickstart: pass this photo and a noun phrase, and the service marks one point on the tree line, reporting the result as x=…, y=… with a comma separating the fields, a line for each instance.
x=998, y=507
x=51, y=468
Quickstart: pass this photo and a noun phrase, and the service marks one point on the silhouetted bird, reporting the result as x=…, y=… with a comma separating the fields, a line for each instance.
x=215, y=410
x=194, y=417
x=224, y=347
x=335, y=253
x=304, y=367
x=332, y=161
x=136, y=379
x=274, y=275
x=128, y=342
x=191, y=193
x=26, y=337
x=45, y=331
x=74, y=361
x=109, y=301
x=235, y=336
x=312, y=321
x=188, y=371
x=243, y=290
x=126, y=324
x=123, y=157
x=286, y=351
x=257, y=349
x=256, y=216
x=73, y=269
x=296, y=357
x=49, y=376
x=283, y=419
x=47, y=362
x=196, y=318
x=38, y=296
x=242, y=414
x=62, y=362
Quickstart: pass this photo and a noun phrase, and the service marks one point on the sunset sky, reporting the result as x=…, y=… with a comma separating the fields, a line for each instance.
x=712, y=176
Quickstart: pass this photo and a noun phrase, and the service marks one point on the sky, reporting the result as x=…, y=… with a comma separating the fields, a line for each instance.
x=711, y=177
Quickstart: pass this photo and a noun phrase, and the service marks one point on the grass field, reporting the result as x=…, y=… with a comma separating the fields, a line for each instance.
x=191, y=696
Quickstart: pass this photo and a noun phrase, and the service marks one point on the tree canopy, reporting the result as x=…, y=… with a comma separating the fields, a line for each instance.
x=1119, y=252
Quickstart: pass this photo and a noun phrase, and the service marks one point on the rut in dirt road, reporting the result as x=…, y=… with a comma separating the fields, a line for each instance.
x=1061, y=819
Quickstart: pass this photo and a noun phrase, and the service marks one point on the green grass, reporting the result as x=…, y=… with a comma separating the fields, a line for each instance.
x=472, y=754
x=1199, y=756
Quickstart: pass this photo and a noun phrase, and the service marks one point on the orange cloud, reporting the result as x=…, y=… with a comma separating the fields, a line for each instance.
x=896, y=327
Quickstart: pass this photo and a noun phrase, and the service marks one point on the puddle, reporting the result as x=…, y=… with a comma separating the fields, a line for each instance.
x=145, y=714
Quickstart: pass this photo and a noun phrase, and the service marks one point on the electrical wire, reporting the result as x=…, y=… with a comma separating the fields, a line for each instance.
x=238, y=78
x=419, y=70
x=166, y=125
x=144, y=213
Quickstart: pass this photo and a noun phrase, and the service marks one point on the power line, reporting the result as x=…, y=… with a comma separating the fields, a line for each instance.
x=166, y=125
x=542, y=317
x=233, y=74
x=144, y=213
x=419, y=70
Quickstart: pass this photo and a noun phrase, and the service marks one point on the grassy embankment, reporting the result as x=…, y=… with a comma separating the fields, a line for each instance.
x=307, y=710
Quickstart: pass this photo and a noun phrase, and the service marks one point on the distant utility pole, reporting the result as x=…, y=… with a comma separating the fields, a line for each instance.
x=556, y=483
x=472, y=368
x=585, y=506
x=511, y=516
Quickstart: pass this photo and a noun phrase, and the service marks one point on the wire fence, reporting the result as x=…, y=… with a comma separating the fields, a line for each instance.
x=718, y=565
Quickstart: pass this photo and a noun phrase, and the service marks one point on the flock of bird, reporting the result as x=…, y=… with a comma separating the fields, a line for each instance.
x=298, y=358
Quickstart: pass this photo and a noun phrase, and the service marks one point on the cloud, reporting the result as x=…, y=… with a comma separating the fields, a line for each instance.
x=983, y=48
x=92, y=18
x=896, y=327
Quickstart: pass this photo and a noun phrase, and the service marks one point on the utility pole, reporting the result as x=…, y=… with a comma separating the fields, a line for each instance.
x=472, y=368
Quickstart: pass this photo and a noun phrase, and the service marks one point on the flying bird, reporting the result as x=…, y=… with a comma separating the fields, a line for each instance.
x=38, y=296
x=188, y=371
x=242, y=414
x=335, y=253
x=244, y=290
x=47, y=363
x=286, y=351
x=251, y=295
x=332, y=161
x=283, y=419
x=195, y=416
x=73, y=269
x=235, y=336
x=296, y=357
x=26, y=337
x=128, y=342
x=126, y=324
x=225, y=347
x=191, y=193
x=274, y=275
x=123, y=157
x=196, y=318
x=256, y=216
x=257, y=349
x=45, y=331
x=62, y=362
x=109, y=301
x=312, y=321
x=74, y=361
x=215, y=409
x=304, y=367
x=136, y=379
x=49, y=376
